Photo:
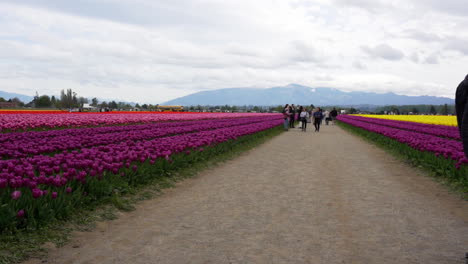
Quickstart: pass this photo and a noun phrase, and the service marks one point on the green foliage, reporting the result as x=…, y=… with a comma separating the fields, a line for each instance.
x=444, y=109
x=417, y=109
x=113, y=105
x=43, y=101
x=68, y=99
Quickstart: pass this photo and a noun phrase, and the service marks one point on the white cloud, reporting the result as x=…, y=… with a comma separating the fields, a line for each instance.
x=458, y=44
x=152, y=51
x=358, y=65
x=384, y=51
x=432, y=59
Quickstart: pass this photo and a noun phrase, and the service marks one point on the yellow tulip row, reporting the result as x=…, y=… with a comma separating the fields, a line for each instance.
x=425, y=119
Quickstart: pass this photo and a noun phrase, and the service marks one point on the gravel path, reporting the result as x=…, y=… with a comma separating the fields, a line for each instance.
x=325, y=197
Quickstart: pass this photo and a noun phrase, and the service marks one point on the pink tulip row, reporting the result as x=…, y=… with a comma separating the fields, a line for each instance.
x=18, y=122
x=436, y=130
x=448, y=148
x=45, y=174
x=24, y=144
x=62, y=168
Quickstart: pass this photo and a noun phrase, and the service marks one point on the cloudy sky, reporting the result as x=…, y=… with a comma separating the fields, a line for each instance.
x=152, y=51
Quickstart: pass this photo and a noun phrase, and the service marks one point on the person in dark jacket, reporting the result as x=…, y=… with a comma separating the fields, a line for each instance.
x=318, y=119
x=461, y=107
x=292, y=116
x=333, y=115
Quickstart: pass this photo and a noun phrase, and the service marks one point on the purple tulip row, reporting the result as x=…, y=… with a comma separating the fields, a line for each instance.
x=16, y=122
x=447, y=148
x=23, y=144
x=436, y=130
x=76, y=165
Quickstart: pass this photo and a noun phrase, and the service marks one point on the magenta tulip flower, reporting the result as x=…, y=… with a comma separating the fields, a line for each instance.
x=20, y=214
x=36, y=193
x=16, y=195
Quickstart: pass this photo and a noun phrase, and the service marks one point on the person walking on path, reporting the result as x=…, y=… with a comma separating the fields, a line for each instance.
x=326, y=116
x=286, y=115
x=303, y=117
x=299, y=112
x=317, y=119
x=333, y=115
x=292, y=116
x=461, y=107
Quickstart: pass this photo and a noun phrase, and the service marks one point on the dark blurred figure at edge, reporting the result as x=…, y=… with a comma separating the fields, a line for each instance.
x=461, y=107
x=292, y=116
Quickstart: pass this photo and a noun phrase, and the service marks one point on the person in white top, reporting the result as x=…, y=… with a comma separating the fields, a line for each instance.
x=303, y=116
x=327, y=117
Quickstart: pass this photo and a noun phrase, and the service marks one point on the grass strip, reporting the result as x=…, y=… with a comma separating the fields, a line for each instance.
x=440, y=168
x=33, y=243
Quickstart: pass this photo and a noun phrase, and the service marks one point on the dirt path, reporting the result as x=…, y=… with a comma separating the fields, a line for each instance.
x=325, y=197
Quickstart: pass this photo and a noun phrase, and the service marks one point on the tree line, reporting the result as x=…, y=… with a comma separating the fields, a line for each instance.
x=70, y=100
x=444, y=109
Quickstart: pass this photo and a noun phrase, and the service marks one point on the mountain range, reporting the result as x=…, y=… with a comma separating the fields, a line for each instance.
x=292, y=93
x=301, y=95
x=22, y=97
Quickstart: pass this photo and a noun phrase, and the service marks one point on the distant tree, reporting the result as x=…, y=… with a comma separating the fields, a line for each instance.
x=122, y=105
x=75, y=100
x=104, y=104
x=113, y=105
x=94, y=101
x=137, y=105
x=43, y=101
x=415, y=110
x=432, y=111
x=82, y=101
x=2, y=99
x=445, y=110
x=144, y=106
x=53, y=101
x=68, y=99
x=17, y=101
x=352, y=110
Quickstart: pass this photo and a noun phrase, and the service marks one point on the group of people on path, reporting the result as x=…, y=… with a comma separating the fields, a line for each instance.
x=291, y=114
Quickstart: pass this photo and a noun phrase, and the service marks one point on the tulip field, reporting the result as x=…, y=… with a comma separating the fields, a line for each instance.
x=52, y=163
x=440, y=144
x=28, y=120
x=424, y=119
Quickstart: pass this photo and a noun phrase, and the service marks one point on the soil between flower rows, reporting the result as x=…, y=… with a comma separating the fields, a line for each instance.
x=326, y=197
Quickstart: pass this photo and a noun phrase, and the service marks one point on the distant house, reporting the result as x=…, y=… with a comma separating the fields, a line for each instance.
x=88, y=108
